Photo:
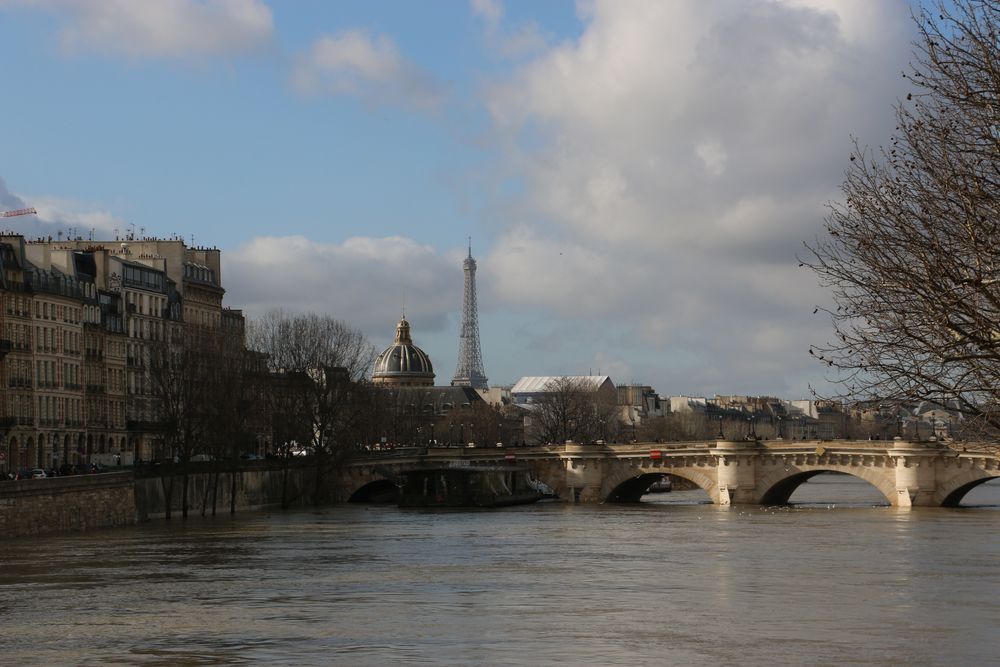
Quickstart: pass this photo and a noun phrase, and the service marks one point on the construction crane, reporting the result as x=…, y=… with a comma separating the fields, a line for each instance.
x=17, y=212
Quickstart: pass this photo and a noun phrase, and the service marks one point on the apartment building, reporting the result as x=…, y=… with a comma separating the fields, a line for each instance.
x=78, y=323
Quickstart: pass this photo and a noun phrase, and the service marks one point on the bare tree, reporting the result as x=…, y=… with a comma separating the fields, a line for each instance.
x=571, y=409
x=321, y=364
x=479, y=423
x=912, y=254
x=236, y=401
x=183, y=372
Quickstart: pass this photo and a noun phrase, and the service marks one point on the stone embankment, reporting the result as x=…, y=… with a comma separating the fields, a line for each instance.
x=65, y=504
x=258, y=485
x=110, y=500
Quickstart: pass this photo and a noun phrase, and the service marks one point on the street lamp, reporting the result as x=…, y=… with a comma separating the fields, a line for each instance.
x=722, y=436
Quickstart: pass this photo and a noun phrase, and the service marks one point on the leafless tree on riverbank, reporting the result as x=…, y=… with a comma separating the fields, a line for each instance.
x=320, y=366
x=571, y=409
x=912, y=254
x=183, y=372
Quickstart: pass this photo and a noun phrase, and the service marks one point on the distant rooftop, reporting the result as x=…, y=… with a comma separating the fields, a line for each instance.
x=538, y=384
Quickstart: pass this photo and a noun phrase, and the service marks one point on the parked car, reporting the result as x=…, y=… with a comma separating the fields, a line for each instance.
x=38, y=473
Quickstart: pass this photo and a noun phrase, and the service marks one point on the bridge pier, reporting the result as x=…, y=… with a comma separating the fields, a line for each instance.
x=737, y=471
x=916, y=472
x=585, y=471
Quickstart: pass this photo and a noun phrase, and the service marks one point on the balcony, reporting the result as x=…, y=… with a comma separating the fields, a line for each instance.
x=8, y=422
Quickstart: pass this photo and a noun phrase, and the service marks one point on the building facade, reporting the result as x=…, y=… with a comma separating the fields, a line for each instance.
x=79, y=321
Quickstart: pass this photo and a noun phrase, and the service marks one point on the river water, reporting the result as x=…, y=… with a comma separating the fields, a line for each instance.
x=832, y=580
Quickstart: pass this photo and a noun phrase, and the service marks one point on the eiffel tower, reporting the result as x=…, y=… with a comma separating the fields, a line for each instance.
x=469, y=370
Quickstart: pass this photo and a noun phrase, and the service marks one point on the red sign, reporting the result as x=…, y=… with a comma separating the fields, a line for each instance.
x=655, y=454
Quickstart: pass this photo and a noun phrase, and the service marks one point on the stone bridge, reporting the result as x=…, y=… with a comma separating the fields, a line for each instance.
x=908, y=474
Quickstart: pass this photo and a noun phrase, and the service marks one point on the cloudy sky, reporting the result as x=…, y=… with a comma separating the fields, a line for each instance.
x=637, y=176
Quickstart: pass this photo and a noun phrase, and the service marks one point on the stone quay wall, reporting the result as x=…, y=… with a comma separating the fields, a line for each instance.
x=33, y=507
x=259, y=485
x=65, y=504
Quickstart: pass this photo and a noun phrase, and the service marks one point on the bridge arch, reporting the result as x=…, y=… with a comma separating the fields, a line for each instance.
x=777, y=487
x=375, y=491
x=629, y=484
x=951, y=493
x=366, y=483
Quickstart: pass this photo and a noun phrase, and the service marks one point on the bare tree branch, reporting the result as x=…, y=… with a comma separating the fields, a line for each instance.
x=912, y=253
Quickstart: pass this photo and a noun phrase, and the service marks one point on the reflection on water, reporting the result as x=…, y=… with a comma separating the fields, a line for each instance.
x=671, y=581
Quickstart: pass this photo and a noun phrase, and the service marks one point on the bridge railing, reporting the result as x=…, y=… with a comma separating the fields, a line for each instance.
x=666, y=449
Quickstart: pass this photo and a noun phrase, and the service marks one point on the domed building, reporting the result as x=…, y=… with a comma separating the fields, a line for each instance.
x=403, y=364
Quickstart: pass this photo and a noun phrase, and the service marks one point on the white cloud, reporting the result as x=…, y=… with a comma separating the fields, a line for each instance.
x=490, y=11
x=58, y=217
x=713, y=155
x=8, y=200
x=523, y=40
x=77, y=218
x=370, y=67
x=185, y=29
x=682, y=152
x=364, y=281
